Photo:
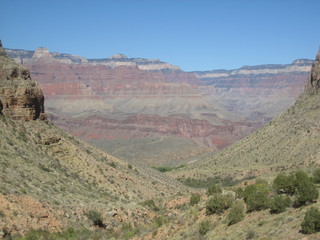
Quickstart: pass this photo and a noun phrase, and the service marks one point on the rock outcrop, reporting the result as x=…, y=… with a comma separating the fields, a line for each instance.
x=20, y=97
x=313, y=84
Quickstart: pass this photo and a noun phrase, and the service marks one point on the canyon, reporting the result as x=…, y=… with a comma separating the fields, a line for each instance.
x=120, y=100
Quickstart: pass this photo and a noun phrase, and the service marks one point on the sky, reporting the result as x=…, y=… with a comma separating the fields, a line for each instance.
x=193, y=34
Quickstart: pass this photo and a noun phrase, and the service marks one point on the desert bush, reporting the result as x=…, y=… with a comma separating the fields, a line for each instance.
x=279, y=203
x=218, y=203
x=2, y=214
x=112, y=164
x=167, y=168
x=316, y=176
x=250, y=234
x=195, y=198
x=151, y=204
x=127, y=231
x=300, y=185
x=306, y=190
x=69, y=234
x=256, y=196
x=311, y=222
x=213, y=189
x=239, y=192
x=96, y=218
x=204, y=227
x=236, y=214
x=160, y=220
x=284, y=184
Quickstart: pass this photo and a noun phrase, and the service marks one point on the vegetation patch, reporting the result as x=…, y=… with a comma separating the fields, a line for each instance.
x=194, y=199
x=218, y=203
x=151, y=204
x=204, y=227
x=164, y=169
x=236, y=214
x=311, y=222
x=96, y=218
x=200, y=183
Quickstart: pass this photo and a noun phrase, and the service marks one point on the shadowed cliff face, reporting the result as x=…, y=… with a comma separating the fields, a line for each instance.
x=20, y=97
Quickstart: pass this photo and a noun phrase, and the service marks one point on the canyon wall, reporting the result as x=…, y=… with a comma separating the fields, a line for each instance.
x=135, y=98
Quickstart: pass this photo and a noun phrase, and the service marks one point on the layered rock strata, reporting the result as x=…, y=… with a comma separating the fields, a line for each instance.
x=20, y=97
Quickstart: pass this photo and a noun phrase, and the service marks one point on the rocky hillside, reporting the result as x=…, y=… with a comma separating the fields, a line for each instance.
x=290, y=141
x=121, y=99
x=50, y=180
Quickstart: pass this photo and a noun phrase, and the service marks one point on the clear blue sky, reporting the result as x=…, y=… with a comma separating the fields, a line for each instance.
x=193, y=34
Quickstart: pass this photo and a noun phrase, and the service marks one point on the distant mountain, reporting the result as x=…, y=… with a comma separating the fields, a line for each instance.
x=28, y=57
x=287, y=143
x=119, y=100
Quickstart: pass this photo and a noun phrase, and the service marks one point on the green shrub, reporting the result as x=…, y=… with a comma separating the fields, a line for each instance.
x=166, y=168
x=205, y=183
x=96, y=218
x=306, y=190
x=256, y=196
x=150, y=203
x=69, y=234
x=316, y=176
x=112, y=164
x=160, y=220
x=311, y=222
x=250, y=234
x=127, y=231
x=298, y=184
x=279, y=204
x=195, y=198
x=239, y=192
x=213, y=189
x=204, y=227
x=218, y=203
x=284, y=184
x=236, y=214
